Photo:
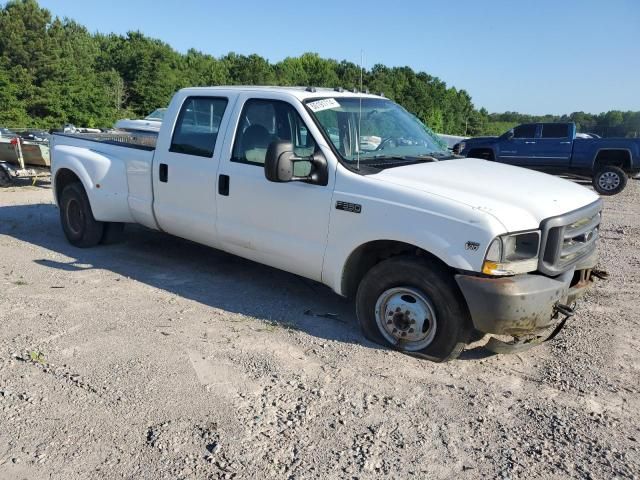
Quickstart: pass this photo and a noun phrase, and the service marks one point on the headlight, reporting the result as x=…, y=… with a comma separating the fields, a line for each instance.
x=512, y=254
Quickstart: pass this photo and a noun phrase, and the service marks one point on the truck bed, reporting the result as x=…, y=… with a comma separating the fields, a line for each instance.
x=115, y=170
x=143, y=141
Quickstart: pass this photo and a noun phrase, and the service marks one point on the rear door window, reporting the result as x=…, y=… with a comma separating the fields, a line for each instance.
x=197, y=126
x=555, y=130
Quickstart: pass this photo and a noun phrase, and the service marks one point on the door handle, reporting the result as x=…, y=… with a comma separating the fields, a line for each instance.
x=565, y=143
x=164, y=172
x=530, y=143
x=223, y=185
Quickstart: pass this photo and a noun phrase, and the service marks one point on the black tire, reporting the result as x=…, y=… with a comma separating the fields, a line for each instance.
x=113, y=233
x=429, y=281
x=609, y=180
x=5, y=178
x=79, y=225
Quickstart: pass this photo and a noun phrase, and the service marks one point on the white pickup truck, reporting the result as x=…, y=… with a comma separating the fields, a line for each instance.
x=350, y=190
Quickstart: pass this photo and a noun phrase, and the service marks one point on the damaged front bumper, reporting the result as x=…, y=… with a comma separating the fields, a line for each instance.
x=522, y=305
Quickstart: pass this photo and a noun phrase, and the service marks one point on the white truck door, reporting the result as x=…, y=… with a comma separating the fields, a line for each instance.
x=185, y=166
x=284, y=225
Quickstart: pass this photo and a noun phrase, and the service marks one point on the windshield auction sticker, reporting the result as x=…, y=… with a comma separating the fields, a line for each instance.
x=324, y=104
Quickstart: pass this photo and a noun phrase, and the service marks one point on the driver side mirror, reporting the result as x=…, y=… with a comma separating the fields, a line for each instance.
x=280, y=161
x=509, y=135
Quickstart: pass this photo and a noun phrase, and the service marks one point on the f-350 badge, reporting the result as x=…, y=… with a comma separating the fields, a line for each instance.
x=473, y=246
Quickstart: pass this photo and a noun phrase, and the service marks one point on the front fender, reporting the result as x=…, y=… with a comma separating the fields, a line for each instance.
x=450, y=250
x=456, y=234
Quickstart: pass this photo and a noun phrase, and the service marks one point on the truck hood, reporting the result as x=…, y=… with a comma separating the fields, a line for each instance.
x=518, y=198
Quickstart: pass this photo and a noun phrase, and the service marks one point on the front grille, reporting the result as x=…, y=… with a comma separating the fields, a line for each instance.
x=568, y=238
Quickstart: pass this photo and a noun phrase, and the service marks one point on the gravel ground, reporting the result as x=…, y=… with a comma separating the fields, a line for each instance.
x=158, y=358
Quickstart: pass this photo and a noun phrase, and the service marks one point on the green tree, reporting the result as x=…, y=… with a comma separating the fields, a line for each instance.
x=248, y=70
x=12, y=112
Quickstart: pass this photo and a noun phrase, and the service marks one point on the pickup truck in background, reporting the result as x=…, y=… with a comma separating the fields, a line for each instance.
x=556, y=148
x=150, y=123
x=352, y=191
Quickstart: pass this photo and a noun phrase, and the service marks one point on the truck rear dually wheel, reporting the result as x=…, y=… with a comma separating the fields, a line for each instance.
x=609, y=180
x=413, y=305
x=78, y=223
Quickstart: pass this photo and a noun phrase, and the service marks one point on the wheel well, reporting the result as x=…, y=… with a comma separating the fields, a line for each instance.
x=484, y=153
x=363, y=258
x=616, y=158
x=64, y=177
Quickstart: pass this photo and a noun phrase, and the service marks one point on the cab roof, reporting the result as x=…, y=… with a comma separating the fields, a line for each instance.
x=301, y=93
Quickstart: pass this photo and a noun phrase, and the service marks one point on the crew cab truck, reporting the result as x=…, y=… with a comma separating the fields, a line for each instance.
x=556, y=148
x=350, y=190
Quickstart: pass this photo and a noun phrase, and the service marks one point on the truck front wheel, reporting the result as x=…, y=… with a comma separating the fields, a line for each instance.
x=609, y=180
x=413, y=305
x=78, y=223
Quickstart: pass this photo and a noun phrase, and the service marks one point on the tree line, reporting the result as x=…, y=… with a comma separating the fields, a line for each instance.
x=54, y=71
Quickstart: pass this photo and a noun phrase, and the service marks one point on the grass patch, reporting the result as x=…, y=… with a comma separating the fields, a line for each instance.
x=37, y=357
x=290, y=326
x=269, y=326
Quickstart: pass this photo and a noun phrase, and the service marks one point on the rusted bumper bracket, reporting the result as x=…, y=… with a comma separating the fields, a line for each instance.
x=520, y=344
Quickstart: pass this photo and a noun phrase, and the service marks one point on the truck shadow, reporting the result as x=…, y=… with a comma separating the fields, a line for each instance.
x=183, y=268
x=202, y=274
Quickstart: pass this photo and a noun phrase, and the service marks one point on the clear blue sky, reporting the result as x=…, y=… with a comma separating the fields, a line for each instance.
x=541, y=56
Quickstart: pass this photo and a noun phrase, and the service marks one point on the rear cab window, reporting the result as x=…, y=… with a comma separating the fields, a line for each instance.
x=197, y=126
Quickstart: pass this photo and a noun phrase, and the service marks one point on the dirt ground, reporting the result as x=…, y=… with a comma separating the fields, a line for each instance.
x=158, y=358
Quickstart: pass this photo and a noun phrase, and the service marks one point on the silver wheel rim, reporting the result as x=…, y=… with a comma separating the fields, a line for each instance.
x=406, y=318
x=609, y=181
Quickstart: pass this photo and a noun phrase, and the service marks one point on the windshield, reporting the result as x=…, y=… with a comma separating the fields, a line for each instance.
x=374, y=130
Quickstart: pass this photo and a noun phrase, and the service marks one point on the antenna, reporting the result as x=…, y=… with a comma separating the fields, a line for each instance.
x=361, y=68
x=359, y=112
